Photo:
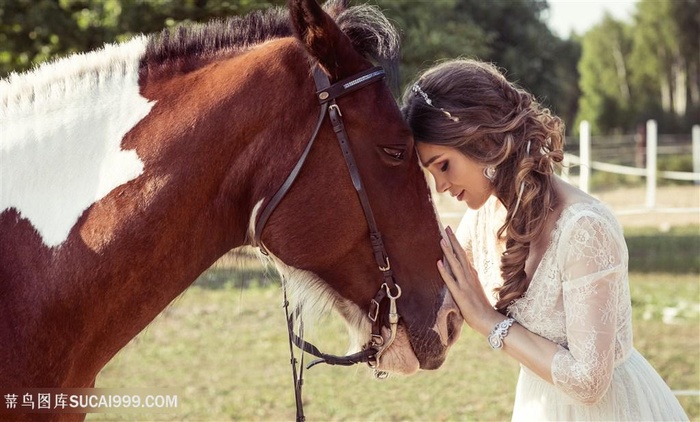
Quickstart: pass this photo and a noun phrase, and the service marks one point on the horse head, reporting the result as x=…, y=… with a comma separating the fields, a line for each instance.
x=319, y=233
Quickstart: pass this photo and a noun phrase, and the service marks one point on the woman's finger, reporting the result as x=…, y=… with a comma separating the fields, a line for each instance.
x=445, y=274
x=459, y=251
x=458, y=269
x=452, y=260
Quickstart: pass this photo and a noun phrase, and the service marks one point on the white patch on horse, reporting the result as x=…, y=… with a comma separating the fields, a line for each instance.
x=253, y=220
x=315, y=296
x=62, y=128
x=317, y=299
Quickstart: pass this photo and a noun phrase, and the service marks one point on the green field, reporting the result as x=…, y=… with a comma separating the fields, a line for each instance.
x=224, y=352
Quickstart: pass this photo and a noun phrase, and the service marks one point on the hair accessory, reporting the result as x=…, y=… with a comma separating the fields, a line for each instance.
x=490, y=173
x=417, y=89
x=499, y=332
x=522, y=186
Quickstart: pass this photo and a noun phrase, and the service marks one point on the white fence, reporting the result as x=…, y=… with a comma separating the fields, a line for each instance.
x=650, y=171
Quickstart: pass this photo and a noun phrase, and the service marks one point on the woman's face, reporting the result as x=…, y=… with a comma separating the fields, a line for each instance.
x=456, y=173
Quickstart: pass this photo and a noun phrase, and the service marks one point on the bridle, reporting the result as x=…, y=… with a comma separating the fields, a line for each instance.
x=372, y=351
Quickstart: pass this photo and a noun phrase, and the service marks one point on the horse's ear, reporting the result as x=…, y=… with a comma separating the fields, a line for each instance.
x=324, y=40
x=335, y=7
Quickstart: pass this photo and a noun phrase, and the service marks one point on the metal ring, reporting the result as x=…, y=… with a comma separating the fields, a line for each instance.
x=388, y=291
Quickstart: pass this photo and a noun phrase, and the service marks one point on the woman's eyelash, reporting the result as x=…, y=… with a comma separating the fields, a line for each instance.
x=443, y=167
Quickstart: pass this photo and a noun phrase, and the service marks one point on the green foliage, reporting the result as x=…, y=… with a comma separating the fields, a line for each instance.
x=602, y=180
x=626, y=73
x=648, y=69
x=33, y=31
x=510, y=33
x=683, y=163
x=605, y=89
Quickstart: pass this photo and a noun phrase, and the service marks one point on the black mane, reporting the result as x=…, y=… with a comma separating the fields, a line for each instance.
x=217, y=36
x=190, y=46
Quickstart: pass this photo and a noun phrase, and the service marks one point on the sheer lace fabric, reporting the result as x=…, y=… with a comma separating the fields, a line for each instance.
x=578, y=298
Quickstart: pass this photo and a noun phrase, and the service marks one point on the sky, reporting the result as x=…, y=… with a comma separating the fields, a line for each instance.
x=581, y=15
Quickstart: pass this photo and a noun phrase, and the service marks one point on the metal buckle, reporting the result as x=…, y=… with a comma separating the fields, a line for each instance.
x=373, y=310
x=387, y=267
x=335, y=106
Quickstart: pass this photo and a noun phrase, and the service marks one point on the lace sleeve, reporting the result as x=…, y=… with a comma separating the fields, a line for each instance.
x=592, y=263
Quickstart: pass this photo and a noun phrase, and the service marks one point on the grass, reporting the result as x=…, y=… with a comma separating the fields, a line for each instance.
x=674, y=251
x=224, y=351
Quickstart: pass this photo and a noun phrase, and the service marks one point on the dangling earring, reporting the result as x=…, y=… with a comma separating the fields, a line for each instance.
x=490, y=173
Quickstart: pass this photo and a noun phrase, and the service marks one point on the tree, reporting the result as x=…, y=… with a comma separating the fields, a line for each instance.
x=666, y=59
x=511, y=34
x=605, y=88
x=433, y=31
x=32, y=31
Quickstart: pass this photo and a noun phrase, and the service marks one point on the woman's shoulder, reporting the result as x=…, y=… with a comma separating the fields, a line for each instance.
x=575, y=213
x=583, y=218
x=576, y=204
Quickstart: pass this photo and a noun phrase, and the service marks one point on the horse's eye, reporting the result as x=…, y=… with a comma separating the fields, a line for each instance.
x=395, y=153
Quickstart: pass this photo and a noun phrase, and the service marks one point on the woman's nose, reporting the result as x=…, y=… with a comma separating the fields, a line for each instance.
x=441, y=184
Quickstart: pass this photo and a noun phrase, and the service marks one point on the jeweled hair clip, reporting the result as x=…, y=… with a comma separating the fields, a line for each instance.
x=417, y=90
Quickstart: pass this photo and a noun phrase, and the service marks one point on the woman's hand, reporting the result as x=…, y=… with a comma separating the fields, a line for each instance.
x=465, y=287
x=528, y=348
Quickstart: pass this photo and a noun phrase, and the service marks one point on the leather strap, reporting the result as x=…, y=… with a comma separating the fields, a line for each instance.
x=277, y=198
x=325, y=93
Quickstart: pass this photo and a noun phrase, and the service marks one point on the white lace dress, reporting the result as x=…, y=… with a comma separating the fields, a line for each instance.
x=578, y=298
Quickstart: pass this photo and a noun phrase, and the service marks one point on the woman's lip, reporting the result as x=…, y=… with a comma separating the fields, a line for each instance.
x=459, y=197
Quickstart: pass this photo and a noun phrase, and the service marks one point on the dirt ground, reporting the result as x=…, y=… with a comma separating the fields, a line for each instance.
x=675, y=206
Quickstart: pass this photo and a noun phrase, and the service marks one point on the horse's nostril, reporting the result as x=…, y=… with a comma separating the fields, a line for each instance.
x=454, y=325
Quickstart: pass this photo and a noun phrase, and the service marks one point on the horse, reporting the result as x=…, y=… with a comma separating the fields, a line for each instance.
x=129, y=170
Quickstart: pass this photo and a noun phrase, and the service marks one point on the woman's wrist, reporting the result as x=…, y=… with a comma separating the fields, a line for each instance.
x=485, y=323
x=499, y=333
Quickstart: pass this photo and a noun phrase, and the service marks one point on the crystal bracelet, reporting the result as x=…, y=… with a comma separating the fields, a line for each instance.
x=499, y=332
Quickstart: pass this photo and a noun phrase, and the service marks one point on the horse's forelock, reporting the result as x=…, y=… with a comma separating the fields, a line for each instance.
x=373, y=36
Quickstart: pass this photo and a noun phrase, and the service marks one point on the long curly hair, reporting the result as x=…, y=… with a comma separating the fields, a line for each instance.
x=474, y=108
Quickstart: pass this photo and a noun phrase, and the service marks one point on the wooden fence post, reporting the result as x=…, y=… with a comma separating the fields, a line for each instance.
x=585, y=155
x=651, y=163
x=696, y=151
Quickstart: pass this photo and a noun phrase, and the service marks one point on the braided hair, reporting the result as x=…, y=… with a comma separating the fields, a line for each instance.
x=475, y=109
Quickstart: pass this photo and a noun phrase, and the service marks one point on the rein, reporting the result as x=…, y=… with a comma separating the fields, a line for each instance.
x=372, y=351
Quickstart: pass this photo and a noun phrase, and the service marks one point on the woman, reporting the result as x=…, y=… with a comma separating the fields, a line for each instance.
x=543, y=273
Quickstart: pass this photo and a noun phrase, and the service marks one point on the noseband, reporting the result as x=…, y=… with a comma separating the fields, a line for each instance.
x=372, y=351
